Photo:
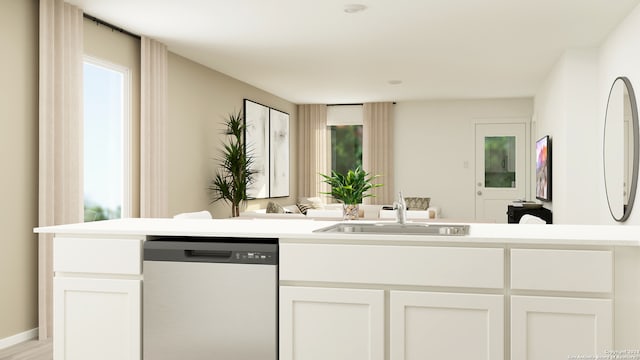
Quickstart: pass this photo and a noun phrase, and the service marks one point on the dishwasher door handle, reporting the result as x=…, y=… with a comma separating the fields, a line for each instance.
x=210, y=254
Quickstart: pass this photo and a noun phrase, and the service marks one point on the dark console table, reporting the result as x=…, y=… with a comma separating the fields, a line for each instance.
x=514, y=213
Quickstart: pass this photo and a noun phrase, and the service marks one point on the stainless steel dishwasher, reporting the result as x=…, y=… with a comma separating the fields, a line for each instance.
x=210, y=298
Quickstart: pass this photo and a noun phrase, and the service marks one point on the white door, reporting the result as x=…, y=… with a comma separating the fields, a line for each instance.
x=97, y=319
x=425, y=325
x=501, y=169
x=336, y=324
x=547, y=328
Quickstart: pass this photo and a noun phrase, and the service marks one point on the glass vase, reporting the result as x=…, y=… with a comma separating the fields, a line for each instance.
x=350, y=211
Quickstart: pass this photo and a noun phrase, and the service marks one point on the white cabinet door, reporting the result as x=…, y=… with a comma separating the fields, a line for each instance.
x=548, y=328
x=96, y=319
x=426, y=325
x=336, y=324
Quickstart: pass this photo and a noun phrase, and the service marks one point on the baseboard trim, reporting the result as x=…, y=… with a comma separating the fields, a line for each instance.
x=18, y=338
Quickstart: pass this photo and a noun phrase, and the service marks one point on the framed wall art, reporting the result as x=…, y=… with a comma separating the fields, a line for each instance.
x=256, y=117
x=267, y=142
x=278, y=153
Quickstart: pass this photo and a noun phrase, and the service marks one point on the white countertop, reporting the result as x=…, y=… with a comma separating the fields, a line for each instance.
x=238, y=227
x=300, y=229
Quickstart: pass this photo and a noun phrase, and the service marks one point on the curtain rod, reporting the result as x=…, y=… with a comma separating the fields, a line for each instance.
x=353, y=104
x=112, y=27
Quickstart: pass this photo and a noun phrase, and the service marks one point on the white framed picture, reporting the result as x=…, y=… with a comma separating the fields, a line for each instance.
x=278, y=153
x=256, y=118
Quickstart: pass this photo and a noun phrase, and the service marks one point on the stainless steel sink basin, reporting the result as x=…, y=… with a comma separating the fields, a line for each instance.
x=397, y=229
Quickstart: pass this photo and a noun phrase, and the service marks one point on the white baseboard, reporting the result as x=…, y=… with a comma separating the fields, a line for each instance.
x=18, y=338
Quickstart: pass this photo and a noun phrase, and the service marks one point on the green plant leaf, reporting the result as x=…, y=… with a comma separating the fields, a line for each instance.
x=234, y=174
x=350, y=188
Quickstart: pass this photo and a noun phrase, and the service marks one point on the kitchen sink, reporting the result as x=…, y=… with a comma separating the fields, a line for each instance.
x=396, y=229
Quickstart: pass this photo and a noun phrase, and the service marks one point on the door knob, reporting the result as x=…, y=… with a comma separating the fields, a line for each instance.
x=479, y=193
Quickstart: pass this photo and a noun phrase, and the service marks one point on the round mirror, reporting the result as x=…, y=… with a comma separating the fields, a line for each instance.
x=620, y=150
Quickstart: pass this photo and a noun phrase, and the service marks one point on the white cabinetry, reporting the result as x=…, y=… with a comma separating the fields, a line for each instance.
x=96, y=319
x=463, y=267
x=444, y=302
x=544, y=328
x=562, y=270
x=325, y=322
x=328, y=323
x=557, y=327
x=426, y=325
x=97, y=299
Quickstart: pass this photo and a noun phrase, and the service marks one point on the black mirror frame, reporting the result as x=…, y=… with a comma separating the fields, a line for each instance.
x=636, y=146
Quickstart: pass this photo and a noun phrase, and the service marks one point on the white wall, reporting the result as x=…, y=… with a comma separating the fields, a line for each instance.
x=566, y=109
x=570, y=106
x=434, y=148
x=619, y=56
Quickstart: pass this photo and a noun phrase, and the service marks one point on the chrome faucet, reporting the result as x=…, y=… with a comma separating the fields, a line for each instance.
x=401, y=209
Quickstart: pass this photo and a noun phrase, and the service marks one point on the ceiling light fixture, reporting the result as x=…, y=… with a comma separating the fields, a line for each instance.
x=354, y=8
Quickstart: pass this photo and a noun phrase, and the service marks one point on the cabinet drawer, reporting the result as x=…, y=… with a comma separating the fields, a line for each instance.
x=397, y=265
x=101, y=256
x=562, y=270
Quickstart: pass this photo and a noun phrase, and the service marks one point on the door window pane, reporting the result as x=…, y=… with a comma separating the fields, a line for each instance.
x=104, y=118
x=346, y=147
x=500, y=162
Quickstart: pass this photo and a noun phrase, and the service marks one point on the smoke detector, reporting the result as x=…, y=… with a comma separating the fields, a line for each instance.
x=354, y=8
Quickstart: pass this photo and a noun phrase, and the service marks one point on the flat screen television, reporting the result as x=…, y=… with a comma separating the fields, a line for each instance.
x=543, y=169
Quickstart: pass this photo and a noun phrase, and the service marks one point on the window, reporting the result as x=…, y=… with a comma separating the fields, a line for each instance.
x=500, y=162
x=345, y=129
x=346, y=147
x=106, y=149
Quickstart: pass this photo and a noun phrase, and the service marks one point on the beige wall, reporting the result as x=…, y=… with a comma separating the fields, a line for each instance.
x=199, y=101
x=19, y=149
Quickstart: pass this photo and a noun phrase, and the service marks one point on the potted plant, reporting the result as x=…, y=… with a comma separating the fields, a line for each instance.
x=234, y=175
x=350, y=188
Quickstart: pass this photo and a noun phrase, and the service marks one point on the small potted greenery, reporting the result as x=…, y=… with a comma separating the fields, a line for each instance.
x=235, y=174
x=350, y=188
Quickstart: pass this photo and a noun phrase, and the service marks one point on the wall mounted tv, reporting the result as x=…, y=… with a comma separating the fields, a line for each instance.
x=543, y=169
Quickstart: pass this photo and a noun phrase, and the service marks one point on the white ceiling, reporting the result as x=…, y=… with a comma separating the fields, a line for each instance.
x=311, y=51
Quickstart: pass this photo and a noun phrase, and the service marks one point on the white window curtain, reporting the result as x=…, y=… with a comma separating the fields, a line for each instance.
x=377, y=149
x=312, y=149
x=154, y=188
x=60, y=136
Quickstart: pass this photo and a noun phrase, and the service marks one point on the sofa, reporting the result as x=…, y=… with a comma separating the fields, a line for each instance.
x=315, y=208
x=329, y=211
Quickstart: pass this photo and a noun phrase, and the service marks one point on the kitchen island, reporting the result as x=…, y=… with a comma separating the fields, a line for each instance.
x=500, y=292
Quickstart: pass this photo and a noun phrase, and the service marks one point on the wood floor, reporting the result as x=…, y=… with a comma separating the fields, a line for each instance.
x=30, y=350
